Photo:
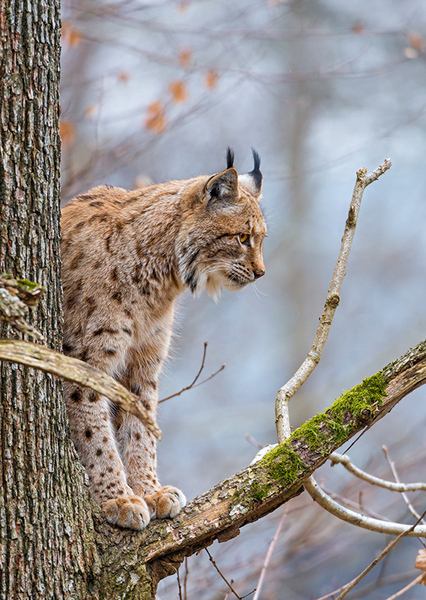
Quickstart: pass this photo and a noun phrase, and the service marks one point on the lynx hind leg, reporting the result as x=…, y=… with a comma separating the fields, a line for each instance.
x=91, y=431
x=138, y=451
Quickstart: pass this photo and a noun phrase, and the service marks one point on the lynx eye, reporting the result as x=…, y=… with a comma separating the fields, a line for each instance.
x=244, y=239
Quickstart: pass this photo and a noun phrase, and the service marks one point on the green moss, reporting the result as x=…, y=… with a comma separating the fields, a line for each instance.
x=29, y=285
x=284, y=464
x=348, y=412
x=322, y=434
x=259, y=492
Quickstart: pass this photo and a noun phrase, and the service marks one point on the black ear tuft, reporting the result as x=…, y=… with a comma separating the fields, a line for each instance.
x=255, y=173
x=229, y=158
x=256, y=159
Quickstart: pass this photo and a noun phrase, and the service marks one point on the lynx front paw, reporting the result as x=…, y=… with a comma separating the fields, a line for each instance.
x=131, y=512
x=167, y=502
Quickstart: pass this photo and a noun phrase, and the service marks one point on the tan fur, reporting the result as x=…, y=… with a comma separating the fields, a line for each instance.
x=127, y=256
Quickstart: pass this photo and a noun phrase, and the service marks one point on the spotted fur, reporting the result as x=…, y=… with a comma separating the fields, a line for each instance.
x=127, y=256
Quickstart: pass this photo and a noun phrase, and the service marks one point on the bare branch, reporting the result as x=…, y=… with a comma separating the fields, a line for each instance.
x=269, y=555
x=27, y=291
x=389, y=485
x=288, y=390
x=76, y=371
x=415, y=581
x=388, y=548
x=15, y=297
x=222, y=575
x=357, y=519
x=13, y=312
x=194, y=384
x=403, y=494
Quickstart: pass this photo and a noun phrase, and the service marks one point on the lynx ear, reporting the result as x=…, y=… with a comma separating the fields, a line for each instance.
x=222, y=188
x=253, y=180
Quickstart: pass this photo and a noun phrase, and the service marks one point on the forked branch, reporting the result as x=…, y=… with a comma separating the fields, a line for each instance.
x=288, y=390
x=194, y=383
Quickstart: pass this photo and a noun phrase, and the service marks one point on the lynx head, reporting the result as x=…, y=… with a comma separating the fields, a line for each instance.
x=220, y=245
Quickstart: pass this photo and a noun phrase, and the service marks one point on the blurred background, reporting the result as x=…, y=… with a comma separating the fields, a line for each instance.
x=153, y=91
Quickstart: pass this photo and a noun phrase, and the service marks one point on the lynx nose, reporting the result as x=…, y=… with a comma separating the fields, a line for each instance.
x=258, y=273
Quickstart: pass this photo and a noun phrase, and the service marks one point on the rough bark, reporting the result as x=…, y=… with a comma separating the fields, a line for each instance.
x=45, y=524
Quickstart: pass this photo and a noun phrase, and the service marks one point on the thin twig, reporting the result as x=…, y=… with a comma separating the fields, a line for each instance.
x=334, y=592
x=269, y=554
x=179, y=585
x=382, y=581
x=222, y=575
x=388, y=548
x=253, y=441
x=185, y=579
x=288, y=390
x=194, y=384
x=396, y=476
x=406, y=588
x=390, y=579
x=355, y=505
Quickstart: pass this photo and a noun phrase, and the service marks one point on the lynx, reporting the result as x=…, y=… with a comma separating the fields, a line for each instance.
x=127, y=256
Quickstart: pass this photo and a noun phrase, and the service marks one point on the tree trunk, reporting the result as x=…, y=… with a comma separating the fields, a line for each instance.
x=42, y=498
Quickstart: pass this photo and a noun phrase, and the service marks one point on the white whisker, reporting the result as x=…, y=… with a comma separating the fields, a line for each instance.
x=258, y=292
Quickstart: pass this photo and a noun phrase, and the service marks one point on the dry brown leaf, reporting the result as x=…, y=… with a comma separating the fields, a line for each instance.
x=416, y=41
x=156, y=118
x=68, y=132
x=421, y=564
x=182, y=6
x=123, y=76
x=92, y=111
x=185, y=57
x=357, y=28
x=211, y=79
x=178, y=91
x=70, y=34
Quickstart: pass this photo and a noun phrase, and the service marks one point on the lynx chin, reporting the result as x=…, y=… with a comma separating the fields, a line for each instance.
x=127, y=256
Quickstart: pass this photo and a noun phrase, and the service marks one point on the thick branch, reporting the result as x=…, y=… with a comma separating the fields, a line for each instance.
x=278, y=476
x=77, y=371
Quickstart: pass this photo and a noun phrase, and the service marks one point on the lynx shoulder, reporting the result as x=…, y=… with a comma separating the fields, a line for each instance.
x=127, y=256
